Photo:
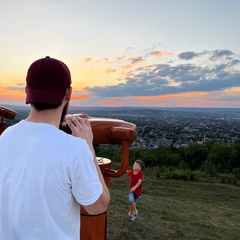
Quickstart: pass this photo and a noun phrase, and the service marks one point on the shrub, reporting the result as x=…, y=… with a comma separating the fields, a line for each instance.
x=229, y=179
x=208, y=167
x=186, y=175
x=236, y=173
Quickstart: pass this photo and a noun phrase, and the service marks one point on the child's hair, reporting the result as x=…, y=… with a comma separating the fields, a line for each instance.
x=141, y=163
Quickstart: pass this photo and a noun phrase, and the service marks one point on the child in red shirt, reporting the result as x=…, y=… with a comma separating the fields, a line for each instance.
x=135, y=187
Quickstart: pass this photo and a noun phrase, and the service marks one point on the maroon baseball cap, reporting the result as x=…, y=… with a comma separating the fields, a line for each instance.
x=47, y=81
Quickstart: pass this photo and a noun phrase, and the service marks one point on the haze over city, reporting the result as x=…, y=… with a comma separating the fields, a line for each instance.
x=155, y=53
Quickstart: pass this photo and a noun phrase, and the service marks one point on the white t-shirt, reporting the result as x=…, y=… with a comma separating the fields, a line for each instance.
x=44, y=175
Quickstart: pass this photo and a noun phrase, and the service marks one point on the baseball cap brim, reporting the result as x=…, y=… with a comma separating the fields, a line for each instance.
x=49, y=96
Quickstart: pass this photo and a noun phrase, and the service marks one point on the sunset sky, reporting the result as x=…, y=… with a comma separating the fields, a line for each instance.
x=154, y=53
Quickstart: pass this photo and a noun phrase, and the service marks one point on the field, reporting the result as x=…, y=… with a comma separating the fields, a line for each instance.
x=174, y=209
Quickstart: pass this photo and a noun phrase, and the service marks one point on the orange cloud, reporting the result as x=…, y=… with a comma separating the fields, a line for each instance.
x=136, y=60
x=79, y=98
x=196, y=102
x=127, y=66
x=12, y=96
x=192, y=99
x=111, y=102
x=80, y=95
x=120, y=58
x=106, y=60
x=232, y=91
x=127, y=74
x=152, y=98
x=159, y=54
x=170, y=100
x=151, y=66
x=172, y=96
x=88, y=59
x=193, y=94
x=110, y=70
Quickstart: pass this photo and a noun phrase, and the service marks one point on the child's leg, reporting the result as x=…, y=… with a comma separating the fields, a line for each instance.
x=133, y=208
x=130, y=209
x=133, y=212
x=132, y=204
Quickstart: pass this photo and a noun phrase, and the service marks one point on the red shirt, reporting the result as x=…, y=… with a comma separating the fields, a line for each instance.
x=134, y=180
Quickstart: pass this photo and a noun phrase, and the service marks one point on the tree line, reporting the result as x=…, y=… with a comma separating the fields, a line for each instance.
x=211, y=157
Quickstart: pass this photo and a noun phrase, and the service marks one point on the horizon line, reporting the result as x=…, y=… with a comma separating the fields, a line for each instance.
x=74, y=106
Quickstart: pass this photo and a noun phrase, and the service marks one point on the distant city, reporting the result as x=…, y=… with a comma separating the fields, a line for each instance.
x=168, y=127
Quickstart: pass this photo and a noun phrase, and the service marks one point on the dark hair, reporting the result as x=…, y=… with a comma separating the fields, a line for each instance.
x=44, y=106
x=141, y=163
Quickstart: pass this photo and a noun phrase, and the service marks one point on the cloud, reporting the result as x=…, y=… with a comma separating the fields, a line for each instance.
x=235, y=62
x=159, y=53
x=136, y=60
x=157, y=77
x=153, y=48
x=187, y=55
x=120, y=58
x=219, y=54
x=88, y=59
x=127, y=66
x=176, y=78
x=213, y=55
x=79, y=95
x=106, y=60
x=13, y=88
x=110, y=70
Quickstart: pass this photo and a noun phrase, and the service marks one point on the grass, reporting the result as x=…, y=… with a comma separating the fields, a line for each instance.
x=175, y=209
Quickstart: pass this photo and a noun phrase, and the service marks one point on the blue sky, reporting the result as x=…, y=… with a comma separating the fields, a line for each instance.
x=171, y=53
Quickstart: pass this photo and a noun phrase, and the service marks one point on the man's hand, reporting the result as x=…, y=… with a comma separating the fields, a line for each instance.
x=80, y=127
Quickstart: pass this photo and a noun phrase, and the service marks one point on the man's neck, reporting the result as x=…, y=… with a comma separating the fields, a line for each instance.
x=50, y=116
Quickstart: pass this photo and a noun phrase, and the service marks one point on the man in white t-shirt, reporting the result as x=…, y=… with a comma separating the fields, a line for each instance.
x=46, y=174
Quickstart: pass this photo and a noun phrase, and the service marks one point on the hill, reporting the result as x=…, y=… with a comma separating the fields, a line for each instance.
x=170, y=209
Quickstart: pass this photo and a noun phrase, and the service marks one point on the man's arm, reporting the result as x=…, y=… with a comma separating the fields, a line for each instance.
x=81, y=128
x=101, y=204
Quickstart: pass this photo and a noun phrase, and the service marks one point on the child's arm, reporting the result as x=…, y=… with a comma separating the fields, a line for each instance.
x=136, y=186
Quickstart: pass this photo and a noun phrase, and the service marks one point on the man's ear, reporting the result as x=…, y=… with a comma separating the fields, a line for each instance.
x=68, y=93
